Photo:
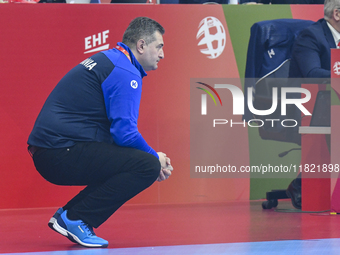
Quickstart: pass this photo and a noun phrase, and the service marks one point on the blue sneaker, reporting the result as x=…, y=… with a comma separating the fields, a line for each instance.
x=55, y=217
x=79, y=232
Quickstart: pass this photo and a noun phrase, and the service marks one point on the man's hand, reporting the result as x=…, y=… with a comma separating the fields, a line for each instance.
x=162, y=159
x=166, y=167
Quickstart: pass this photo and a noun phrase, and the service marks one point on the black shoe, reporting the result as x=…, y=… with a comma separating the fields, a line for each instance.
x=294, y=192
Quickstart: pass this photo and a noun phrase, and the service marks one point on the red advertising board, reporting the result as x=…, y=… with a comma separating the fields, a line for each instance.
x=335, y=126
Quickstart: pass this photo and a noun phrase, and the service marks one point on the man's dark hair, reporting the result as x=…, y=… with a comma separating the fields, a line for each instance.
x=141, y=28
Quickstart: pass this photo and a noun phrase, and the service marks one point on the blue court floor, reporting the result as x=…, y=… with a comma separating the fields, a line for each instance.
x=236, y=228
x=291, y=247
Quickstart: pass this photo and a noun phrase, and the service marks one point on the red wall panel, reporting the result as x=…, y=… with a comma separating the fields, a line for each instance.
x=40, y=43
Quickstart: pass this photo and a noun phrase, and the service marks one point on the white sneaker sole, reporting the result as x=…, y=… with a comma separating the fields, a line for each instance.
x=51, y=224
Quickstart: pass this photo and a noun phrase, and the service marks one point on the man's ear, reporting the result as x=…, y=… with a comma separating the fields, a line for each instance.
x=336, y=15
x=141, y=46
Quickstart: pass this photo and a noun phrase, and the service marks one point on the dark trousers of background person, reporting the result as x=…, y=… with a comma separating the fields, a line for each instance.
x=112, y=174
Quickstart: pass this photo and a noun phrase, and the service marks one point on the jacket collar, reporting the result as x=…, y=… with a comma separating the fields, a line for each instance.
x=328, y=33
x=133, y=59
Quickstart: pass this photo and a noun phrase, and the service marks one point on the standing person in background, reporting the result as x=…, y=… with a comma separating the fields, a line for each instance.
x=86, y=133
